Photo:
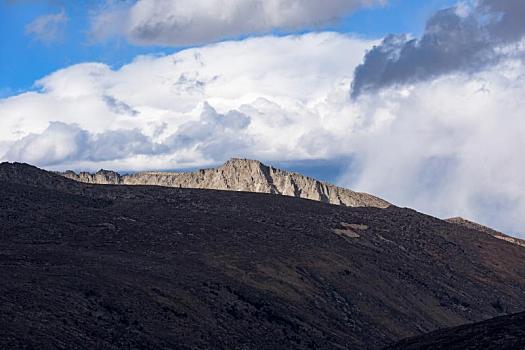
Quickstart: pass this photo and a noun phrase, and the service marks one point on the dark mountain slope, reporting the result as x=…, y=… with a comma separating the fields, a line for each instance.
x=91, y=266
x=486, y=230
x=499, y=333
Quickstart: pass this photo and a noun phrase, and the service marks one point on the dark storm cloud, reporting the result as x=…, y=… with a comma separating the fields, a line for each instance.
x=452, y=41
x=509, y=24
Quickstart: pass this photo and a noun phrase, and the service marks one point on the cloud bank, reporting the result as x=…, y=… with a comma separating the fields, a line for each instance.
x=193, y=108
x=450, y=146
x=190, y=22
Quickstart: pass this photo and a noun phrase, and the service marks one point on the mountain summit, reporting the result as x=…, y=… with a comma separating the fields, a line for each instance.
x=240, y=175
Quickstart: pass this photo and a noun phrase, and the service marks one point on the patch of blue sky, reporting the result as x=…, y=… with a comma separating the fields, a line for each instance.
x=24, y=60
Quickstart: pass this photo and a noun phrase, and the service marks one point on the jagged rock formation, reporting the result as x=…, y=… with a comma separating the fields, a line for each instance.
x=478, y=227
x=240, y=175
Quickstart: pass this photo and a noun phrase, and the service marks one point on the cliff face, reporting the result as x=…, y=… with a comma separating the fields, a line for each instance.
x=240, y=175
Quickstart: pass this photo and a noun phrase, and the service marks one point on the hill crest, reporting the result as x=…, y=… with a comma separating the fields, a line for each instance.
x=239, y=175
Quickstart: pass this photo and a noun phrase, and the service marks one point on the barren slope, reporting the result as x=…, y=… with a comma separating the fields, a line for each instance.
x=499, y=333
x=487, y=230
x=114, y=267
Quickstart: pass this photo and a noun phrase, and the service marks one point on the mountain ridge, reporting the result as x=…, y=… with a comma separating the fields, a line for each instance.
x=485, y=229
x=239, y=175
x=147, y=178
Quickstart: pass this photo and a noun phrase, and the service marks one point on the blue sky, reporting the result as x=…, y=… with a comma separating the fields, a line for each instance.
x=27, y=59
x=24, y=59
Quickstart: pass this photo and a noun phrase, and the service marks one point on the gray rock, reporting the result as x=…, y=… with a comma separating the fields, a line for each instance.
x=240, y=175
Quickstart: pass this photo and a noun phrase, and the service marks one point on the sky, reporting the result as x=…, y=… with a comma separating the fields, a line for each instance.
x=418, y=102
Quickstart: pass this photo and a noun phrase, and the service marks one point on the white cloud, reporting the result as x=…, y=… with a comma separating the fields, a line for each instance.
x=190, y=22
x=448, y=146
x=452, y=146
x=204, y=104
x=62, y=142
x=48, y=28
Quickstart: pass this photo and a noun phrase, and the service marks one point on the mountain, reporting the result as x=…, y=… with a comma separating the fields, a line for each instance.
x=102, y=266
x=499, y=333
x=487, y=230
x=240, y=175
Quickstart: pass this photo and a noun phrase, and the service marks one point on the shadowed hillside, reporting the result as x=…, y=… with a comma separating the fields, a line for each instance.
x=500, y=333
x=487, y=230
x=151, y=267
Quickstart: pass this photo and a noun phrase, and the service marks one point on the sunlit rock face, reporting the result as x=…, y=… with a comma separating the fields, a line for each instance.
x=240, y=175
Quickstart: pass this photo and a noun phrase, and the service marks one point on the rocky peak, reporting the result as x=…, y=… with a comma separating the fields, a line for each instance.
x=101, y=177
x=240, y=175
x=108, y=175
x=22, y=173
x=25, y=174
x=242, y=162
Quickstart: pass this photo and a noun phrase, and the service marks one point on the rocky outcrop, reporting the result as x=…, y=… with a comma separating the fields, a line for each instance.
x=240, y=175
x=101, y=177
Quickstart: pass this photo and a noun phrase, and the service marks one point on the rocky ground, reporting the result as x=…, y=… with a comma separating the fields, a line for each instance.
x=91, y=266
x=500, y=333
x=487, y=230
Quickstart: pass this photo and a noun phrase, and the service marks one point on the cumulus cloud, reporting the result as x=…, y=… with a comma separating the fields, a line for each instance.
x=62, y=143
x=212, y=133
x=119, y=107
x=190, y=22
x=202, y=105
x=449, y=145
x=462, y=38
x=48, y=28
x=507, y=22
